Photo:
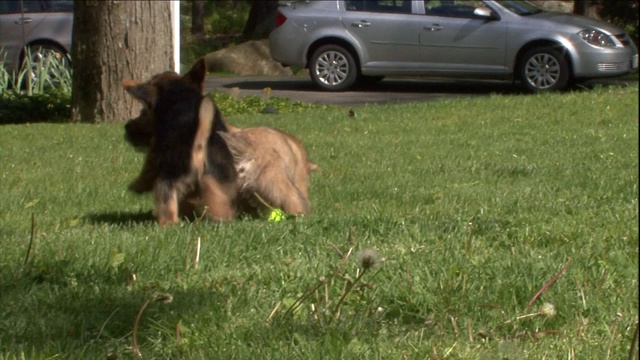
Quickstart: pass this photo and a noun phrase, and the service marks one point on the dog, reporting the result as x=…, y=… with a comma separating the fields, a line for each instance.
x=228, y=170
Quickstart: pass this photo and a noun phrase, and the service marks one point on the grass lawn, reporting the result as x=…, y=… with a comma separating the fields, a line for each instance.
x=473, y=205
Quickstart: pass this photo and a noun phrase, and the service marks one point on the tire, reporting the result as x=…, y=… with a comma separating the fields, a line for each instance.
x=543, y=69
x=333, y=68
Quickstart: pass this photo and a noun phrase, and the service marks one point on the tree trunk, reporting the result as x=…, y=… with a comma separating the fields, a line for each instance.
x=197, y=17
x=262, y=19
x=115, y=41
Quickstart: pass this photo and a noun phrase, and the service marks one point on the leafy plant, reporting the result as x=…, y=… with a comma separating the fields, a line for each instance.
x=49, y=72
x=232, y=105
x=40, y=91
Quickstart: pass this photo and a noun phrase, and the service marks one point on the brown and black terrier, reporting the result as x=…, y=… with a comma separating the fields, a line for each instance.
x=194, y=157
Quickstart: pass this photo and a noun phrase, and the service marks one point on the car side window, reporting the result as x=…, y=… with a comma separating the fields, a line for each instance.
x=451, y=8
x=35, y=6
x=380, y=6
x=9, y=7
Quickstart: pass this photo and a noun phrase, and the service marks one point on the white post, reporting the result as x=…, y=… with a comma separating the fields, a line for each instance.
x=175, y=26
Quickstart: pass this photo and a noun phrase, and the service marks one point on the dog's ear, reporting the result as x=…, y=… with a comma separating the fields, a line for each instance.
x=142, y=92
x=196, y=74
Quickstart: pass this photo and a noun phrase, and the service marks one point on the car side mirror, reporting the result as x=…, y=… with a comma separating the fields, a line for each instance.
x=485, y=13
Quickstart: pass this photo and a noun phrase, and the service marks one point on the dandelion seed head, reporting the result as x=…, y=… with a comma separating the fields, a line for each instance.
x=548, y=309
x=368, y=258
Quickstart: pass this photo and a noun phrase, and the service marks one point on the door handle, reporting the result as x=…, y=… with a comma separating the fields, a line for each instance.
x=361, y=23
x=23, y=20
x=434, y=27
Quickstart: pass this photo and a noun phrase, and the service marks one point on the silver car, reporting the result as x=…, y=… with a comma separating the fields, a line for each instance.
x=37, y=28
x=343, y=42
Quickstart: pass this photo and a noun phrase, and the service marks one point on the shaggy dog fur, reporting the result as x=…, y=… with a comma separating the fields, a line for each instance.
x=194, y=157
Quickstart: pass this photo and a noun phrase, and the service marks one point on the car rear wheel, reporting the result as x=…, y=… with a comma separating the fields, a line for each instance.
x=543, y=69
x=333, y=68
x=47, y=57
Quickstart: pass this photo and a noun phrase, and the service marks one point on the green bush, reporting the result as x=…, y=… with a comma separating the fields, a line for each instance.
x=230, y=105
x=49, y=106
x=36, y=94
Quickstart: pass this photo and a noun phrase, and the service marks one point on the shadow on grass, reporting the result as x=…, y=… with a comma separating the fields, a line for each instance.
x=59, y=308
x=122, y=218
x=146, y=217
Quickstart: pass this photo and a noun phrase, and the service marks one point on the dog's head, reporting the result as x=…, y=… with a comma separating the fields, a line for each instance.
x=140, y=130
x=149, y=92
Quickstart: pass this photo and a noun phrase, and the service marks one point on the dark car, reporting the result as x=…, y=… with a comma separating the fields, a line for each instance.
x=342, y=42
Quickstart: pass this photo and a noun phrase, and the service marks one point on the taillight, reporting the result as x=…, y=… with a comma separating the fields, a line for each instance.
x=280, y=19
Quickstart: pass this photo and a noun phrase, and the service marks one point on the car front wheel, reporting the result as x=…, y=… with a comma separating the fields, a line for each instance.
x=543, y=69
x=333, y=68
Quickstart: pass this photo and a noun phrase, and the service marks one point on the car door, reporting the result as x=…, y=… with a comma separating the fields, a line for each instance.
x=463, y=42
x=387, y=32
x=16, y=24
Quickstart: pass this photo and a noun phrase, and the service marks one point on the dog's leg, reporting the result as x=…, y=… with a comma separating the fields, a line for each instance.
x=166, y=203
x=279, y=190
x=147, y=177
x=218, y=199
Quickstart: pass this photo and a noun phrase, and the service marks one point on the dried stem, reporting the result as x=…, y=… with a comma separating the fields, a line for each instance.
x=304, y=297
x=33, y=226
x=602, y=278
x=178, y=333
x=521, y=317
x=634, y=341
x=455, y=327
x=343, y=263
x=613, y=329
x=533, y=334
x=197, y=259
x=346, y=292
x=136, y=347
x=275, y=309
x=548, y=284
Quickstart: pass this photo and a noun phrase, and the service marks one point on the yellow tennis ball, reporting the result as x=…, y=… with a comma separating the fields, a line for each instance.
x=276, y=215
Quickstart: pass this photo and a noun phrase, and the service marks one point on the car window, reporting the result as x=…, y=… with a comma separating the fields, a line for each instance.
x=35, y=6
x=451, y=8
x=381, y=6
x=523, y=8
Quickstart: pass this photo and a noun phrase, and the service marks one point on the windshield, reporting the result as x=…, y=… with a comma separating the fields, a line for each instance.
x=520, y=7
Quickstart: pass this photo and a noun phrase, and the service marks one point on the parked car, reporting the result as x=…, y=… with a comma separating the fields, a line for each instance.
x=343, y=42
x=39, y=28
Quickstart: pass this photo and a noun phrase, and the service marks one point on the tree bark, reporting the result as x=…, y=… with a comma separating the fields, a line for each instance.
x=115, y=41
x=197, y=17
x=262, y=19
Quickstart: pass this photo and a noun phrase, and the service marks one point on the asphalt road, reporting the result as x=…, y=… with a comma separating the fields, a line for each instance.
x=386, y=91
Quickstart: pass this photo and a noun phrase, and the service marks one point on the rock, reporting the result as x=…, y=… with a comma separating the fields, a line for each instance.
x=248, y=58
x=554, y=5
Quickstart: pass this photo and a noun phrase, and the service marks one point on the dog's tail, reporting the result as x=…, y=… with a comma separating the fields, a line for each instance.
x=239, y=146
x=205, y=123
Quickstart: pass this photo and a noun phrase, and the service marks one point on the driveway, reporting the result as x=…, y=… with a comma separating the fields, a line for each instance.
x=387, y=91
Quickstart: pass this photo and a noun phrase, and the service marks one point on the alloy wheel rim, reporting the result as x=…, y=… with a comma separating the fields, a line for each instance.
x=332, y=68
x=542, y=71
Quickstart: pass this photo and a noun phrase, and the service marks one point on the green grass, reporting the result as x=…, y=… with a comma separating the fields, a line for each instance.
x=474, y=204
